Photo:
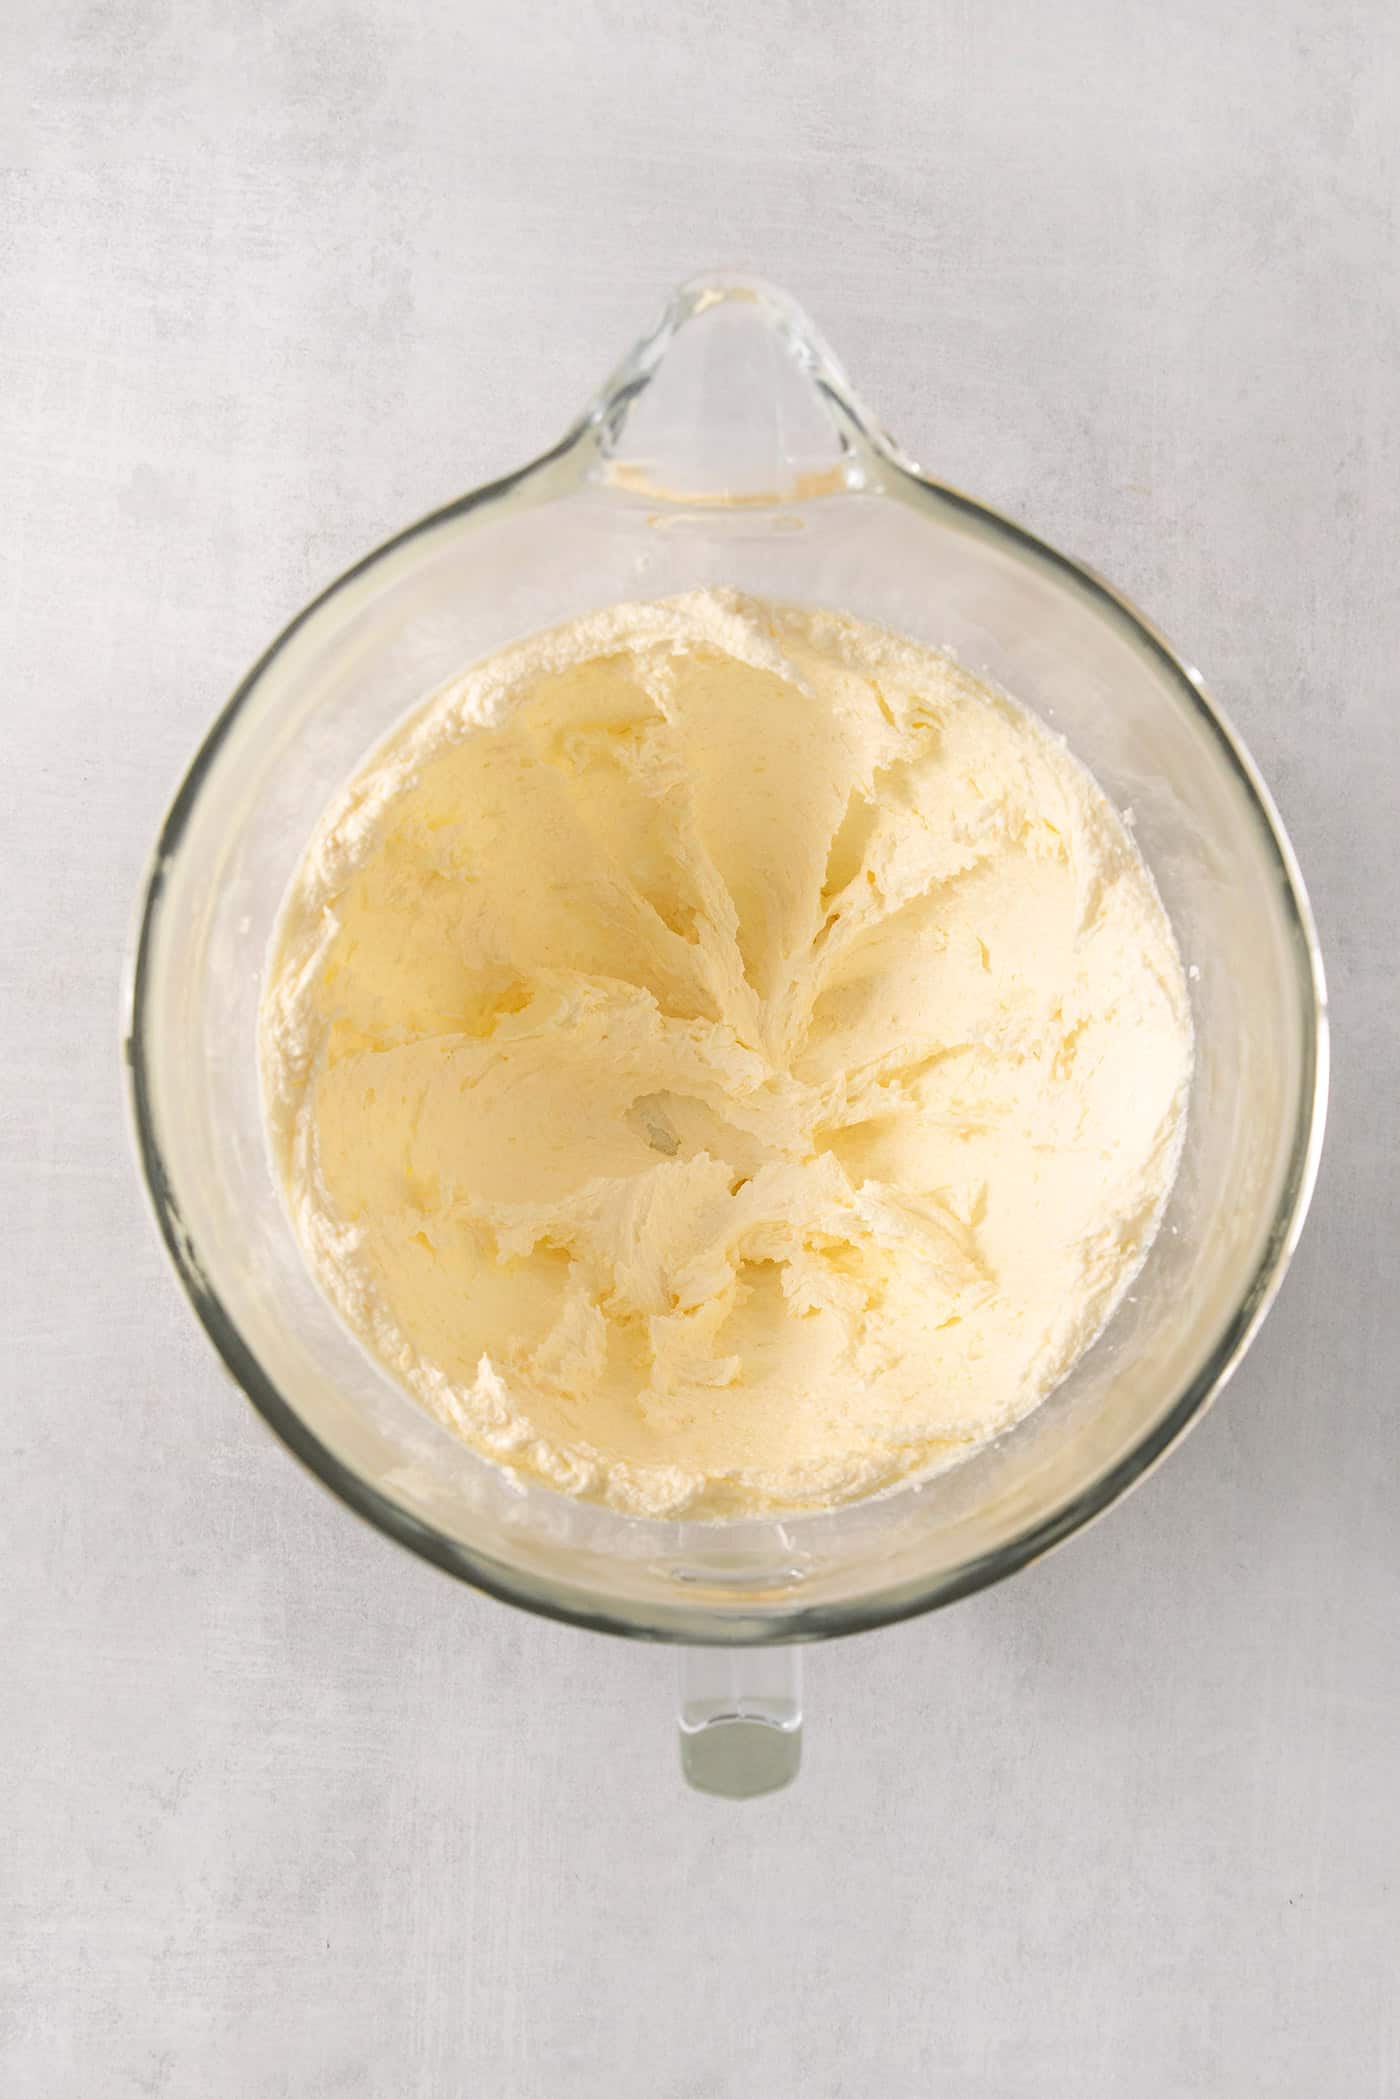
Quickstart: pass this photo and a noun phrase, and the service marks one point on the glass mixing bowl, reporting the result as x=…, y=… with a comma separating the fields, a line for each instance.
x=729, y=448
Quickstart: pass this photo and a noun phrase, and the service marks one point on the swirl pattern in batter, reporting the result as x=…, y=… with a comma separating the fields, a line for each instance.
x=723, y=1057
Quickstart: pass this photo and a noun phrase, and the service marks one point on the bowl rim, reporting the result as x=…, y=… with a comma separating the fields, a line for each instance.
x=749, y=1623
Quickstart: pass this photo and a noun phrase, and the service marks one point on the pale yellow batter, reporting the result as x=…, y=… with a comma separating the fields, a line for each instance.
x=723, y=1057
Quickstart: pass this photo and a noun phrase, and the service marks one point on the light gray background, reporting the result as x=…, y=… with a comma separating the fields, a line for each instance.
x=285, y=1812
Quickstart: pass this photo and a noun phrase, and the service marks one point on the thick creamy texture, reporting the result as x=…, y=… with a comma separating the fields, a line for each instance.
x=724, y=1057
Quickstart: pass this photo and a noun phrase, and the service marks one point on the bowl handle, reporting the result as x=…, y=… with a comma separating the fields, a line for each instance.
x=740, y=1718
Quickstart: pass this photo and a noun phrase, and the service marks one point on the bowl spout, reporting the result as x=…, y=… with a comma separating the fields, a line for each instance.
x=733, y=398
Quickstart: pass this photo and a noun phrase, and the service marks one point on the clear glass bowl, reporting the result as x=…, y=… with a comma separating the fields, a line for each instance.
x=729, y=448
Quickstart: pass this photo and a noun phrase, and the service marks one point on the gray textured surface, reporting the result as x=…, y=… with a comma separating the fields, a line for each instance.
x=282, y=1811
